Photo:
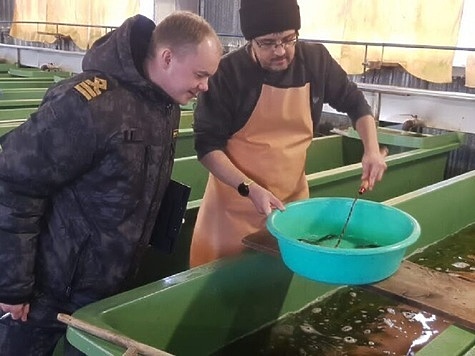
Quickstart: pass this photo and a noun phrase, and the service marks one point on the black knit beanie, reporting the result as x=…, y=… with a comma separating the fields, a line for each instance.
x=261, y=17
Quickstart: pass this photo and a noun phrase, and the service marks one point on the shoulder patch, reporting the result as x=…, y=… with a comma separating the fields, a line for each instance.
x=90, y=89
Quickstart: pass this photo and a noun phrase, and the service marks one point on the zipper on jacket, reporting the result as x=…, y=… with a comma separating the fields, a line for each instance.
x=72, y=278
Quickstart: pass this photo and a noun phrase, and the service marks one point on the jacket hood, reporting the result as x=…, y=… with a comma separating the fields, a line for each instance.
x=121, y=53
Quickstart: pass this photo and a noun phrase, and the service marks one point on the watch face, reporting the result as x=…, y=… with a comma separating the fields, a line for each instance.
x=243, y=189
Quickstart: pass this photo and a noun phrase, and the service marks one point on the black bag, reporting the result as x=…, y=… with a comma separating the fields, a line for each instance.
x=170, y=216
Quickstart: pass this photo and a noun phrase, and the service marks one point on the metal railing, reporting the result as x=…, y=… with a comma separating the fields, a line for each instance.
x=60, y=38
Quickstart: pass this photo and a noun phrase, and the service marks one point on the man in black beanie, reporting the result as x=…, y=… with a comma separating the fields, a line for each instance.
x=261, y=17
x=255, y=123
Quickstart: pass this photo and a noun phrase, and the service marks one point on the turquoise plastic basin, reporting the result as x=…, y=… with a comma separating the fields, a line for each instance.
x=355, y=260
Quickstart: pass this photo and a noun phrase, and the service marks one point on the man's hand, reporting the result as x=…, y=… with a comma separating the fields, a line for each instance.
x=263, y=200
x=18, y=311
x=374, y=166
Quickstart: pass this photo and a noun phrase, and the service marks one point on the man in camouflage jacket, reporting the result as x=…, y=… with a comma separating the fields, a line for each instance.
x=81, y=181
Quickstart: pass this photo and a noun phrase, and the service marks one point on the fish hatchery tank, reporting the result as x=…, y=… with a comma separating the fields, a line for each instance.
x=353, y=321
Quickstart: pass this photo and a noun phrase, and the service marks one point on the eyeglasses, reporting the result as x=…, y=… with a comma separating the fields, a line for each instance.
x=268, y=45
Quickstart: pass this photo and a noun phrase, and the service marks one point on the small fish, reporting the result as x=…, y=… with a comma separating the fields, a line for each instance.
x=319, y=240
x=329, y=237
x=367, y=246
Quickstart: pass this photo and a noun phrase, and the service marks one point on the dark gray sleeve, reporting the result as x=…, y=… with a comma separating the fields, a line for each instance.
x=36, y=159
x=213, y=117
x=330, y=82
x=342, y=94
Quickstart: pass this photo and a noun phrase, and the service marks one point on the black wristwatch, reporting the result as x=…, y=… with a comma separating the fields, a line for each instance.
x=243, y=188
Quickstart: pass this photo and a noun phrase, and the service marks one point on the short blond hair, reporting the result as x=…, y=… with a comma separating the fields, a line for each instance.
x=181, y=31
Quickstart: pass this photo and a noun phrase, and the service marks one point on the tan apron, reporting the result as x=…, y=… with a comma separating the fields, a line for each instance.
x=271, y=150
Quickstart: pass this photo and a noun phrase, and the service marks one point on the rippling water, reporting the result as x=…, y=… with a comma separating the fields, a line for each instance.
x=351, y=321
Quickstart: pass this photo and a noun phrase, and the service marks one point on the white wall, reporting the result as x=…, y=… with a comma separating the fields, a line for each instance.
x=165, y=7
x=466, y=34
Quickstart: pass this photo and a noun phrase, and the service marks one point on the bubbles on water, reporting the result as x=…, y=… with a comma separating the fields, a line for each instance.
x=391, y=311
x=453, y=253
x=388, y=322
x=409, y=315
x=331, y=327
x=307, y=328
x=460, y=265
x=349, y=340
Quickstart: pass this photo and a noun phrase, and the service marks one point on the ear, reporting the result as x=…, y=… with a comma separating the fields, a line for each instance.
x=165, y=57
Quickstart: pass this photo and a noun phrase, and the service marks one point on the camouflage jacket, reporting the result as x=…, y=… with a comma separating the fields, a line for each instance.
x=81, y=181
